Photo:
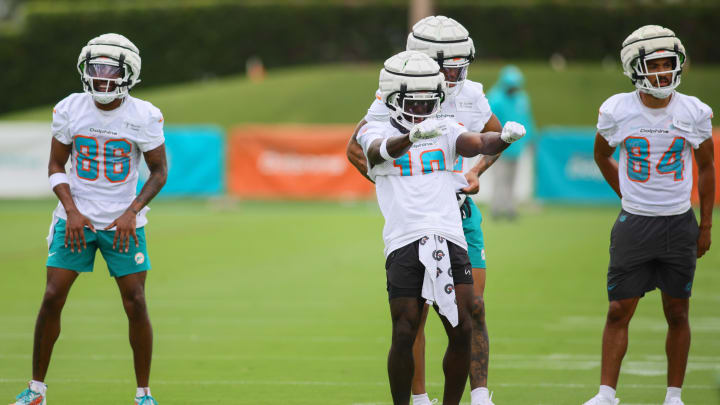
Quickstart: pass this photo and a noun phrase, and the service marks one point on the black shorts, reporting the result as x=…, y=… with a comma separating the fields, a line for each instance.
x=405, y=273
x=652, y=252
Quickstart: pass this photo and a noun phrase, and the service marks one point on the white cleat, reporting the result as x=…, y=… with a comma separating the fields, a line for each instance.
x=425, y=402
x=673, y=401
x=600, y=400
x=484, y=401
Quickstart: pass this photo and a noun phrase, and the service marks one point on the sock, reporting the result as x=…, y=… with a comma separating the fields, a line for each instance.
x=417, y=398
x=142, y=391
x=673, y=392
x=607, y=392
x=479, y=394
x=38, y=386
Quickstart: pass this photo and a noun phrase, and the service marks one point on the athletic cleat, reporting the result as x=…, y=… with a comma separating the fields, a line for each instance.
x=673, y=401
x=485, y=401
x=600, y=400
x=145, y=400
x=29, y=397
x=425, y=402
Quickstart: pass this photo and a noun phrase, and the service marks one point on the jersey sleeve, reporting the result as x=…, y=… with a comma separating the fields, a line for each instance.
x=703, y=126
x=60, y=127
x=367, y=134
x=483, y=111
x=607, y=126
x=378, y=111
x=154, y=135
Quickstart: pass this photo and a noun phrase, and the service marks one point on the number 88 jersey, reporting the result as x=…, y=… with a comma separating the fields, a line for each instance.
x=655, y=165
x=106, y=151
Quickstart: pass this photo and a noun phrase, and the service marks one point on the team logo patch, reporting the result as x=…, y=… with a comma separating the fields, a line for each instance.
x=424, y=240
x=688, y=287
x=438, y=255
x=449, y=288
x=139, y=258
x=468, y=272
x=482, y=253
x=623, y=217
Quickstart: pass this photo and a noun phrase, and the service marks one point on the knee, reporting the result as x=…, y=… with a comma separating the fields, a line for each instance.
x=461, y=336
x=134, y=303
x=477, y=310
x=403, y=334
x=618, y=315
x=54, y=299
x=676, y=317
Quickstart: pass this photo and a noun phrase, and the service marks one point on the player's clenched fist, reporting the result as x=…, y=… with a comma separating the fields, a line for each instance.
x=512, y=131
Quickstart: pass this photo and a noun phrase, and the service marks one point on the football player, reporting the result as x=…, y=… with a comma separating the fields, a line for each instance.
x=656, y=240
x=448, y=43
x=104, y=132
x=412, y=160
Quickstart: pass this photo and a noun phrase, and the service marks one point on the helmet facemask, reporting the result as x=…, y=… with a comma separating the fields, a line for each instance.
x=662, y=88
x=455, y=72
x=105, y=79
x=413, y=107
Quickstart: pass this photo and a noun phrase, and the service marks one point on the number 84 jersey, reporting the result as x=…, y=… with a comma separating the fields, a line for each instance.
x=106, y=152
x=655, y=166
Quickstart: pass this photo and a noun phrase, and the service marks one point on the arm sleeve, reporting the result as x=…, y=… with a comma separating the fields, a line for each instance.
x=453, y=130
x=378, y=111
x=61, y=124
x=154, y=135
x=606, y=125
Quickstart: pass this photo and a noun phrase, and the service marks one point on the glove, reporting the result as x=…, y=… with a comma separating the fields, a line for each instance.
x=427, y=129
x=512, y=131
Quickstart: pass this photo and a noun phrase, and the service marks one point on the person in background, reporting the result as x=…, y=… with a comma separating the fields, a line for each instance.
x=509, y=101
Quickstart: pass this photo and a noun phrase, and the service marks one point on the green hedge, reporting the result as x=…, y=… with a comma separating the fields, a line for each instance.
x=191, y=42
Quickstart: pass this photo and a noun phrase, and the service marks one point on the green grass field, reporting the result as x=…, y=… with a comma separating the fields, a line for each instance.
x=285, y=303
x=342, y=94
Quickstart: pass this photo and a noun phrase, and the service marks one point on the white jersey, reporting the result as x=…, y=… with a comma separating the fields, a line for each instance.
x=469, y=107
x=416, y=192
x=655, y=166
x=107, y=149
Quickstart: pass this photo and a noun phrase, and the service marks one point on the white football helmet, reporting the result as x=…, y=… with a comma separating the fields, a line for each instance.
x=449, y=43
x=648, y=43
x=412, y=86
x=109, y=66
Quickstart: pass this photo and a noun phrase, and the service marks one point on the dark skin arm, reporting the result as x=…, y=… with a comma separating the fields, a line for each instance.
x=355, y=153
x=704, y=158
x=606, y=163
x=396, y=147
x=485, y=161
x=125, y=223
x=471, y=144
x=76, y=222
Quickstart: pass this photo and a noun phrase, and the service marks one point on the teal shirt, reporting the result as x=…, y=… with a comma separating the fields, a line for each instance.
x=512, y=107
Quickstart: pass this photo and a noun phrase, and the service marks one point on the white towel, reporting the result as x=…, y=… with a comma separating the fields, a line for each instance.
x=438, y=286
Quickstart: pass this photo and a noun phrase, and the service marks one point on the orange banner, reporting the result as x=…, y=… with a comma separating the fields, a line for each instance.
x=293, y=161
x=695, y=195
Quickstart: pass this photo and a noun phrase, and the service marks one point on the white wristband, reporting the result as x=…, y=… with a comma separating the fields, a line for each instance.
x=57, y=178
x=383, y=150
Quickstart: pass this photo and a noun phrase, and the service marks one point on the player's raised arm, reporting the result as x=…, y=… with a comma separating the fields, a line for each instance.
x=471, y=144
x=381, y=150
x=606, y=163
x=706, y=188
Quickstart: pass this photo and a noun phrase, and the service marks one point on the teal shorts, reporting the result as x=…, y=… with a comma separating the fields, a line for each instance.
x=119, y=263
x=474, y=236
